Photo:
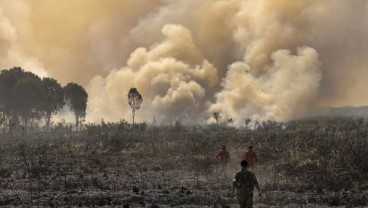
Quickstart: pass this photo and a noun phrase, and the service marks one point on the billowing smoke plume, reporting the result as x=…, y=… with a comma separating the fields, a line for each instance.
x=283, y=91
x=11, y=52
x=260, y=59
x=172, y=75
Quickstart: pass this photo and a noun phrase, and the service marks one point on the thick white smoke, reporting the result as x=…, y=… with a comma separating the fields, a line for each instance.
x=173, y=77
x=11, y=52
x=285, y=90
x=261, y=59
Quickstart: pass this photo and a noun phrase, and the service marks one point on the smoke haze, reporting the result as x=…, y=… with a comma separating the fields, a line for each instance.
x=260, y=59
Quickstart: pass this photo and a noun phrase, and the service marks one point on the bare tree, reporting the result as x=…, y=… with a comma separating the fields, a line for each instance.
x=217, y=117
x=134, y=100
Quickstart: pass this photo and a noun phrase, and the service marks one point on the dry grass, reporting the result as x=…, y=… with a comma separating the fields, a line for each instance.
x=318, y=161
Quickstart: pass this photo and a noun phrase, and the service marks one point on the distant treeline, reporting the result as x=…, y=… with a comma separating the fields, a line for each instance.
x=24, y=96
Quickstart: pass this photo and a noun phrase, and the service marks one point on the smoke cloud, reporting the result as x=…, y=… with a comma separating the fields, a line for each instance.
x=11, y=52
x=188, y=58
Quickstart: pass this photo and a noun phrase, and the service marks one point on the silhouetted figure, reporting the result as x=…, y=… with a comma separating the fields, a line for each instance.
x=251, y=157
x=224, y=156
x=244, y=183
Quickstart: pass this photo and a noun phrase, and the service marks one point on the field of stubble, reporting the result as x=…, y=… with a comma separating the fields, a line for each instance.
x=306, y=164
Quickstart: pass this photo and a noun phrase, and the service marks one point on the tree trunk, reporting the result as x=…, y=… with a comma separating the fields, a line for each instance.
x=133, y=115
x=48, y=119
x=5, y=123
x=24, y=129
x=77, y=123
x=133, y=119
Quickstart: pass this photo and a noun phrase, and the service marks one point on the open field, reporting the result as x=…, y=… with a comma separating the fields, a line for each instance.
x=319, y=162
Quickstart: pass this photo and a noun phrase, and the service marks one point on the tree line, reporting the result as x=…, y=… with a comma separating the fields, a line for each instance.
x=25, y=97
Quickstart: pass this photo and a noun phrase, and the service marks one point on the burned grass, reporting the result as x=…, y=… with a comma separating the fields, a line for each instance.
x=311, y=163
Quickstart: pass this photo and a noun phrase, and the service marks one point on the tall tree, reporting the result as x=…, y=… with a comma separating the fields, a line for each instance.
x=4, y=97
x=28, y=96
x=134, y=100
x=54, y=98
x=76, y=98
x=217, y=117
x=11, y=105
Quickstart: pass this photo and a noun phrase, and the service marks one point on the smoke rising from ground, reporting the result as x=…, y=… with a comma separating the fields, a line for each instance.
x=260, y=59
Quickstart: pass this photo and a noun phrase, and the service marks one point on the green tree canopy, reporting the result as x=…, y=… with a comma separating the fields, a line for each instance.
x=76, y=98
x=134, y=100
x=8, y=79
x=54, y=98
x=28, y=96
x=25, y=95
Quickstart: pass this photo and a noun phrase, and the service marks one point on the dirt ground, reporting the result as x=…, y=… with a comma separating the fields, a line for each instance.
x=81, y=184
x=141, y=169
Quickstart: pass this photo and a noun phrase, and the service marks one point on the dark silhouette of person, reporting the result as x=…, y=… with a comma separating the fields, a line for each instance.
x=244, y=183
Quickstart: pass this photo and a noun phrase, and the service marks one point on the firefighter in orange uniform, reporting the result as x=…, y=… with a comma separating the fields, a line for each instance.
x=251, y=157
x=224, y=156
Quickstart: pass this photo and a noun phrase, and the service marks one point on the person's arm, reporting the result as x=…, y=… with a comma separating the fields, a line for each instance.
x=235, y=184
x=258, y=189
x=255, y=183
x=218, y=155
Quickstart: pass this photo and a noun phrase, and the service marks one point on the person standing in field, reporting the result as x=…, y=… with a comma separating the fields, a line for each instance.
x=251, y=157
x=224, y=156
x=244, y=183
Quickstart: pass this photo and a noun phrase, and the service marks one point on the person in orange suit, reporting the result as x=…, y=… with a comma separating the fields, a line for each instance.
x=251, y=157
x=224, y=156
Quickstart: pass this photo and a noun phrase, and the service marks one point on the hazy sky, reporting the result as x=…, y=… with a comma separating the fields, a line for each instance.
x=244, y=58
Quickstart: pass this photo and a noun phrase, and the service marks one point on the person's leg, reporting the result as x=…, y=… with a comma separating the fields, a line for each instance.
x=251, y=166
x=249, y=202
x=224, y=170
x=242, y=201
